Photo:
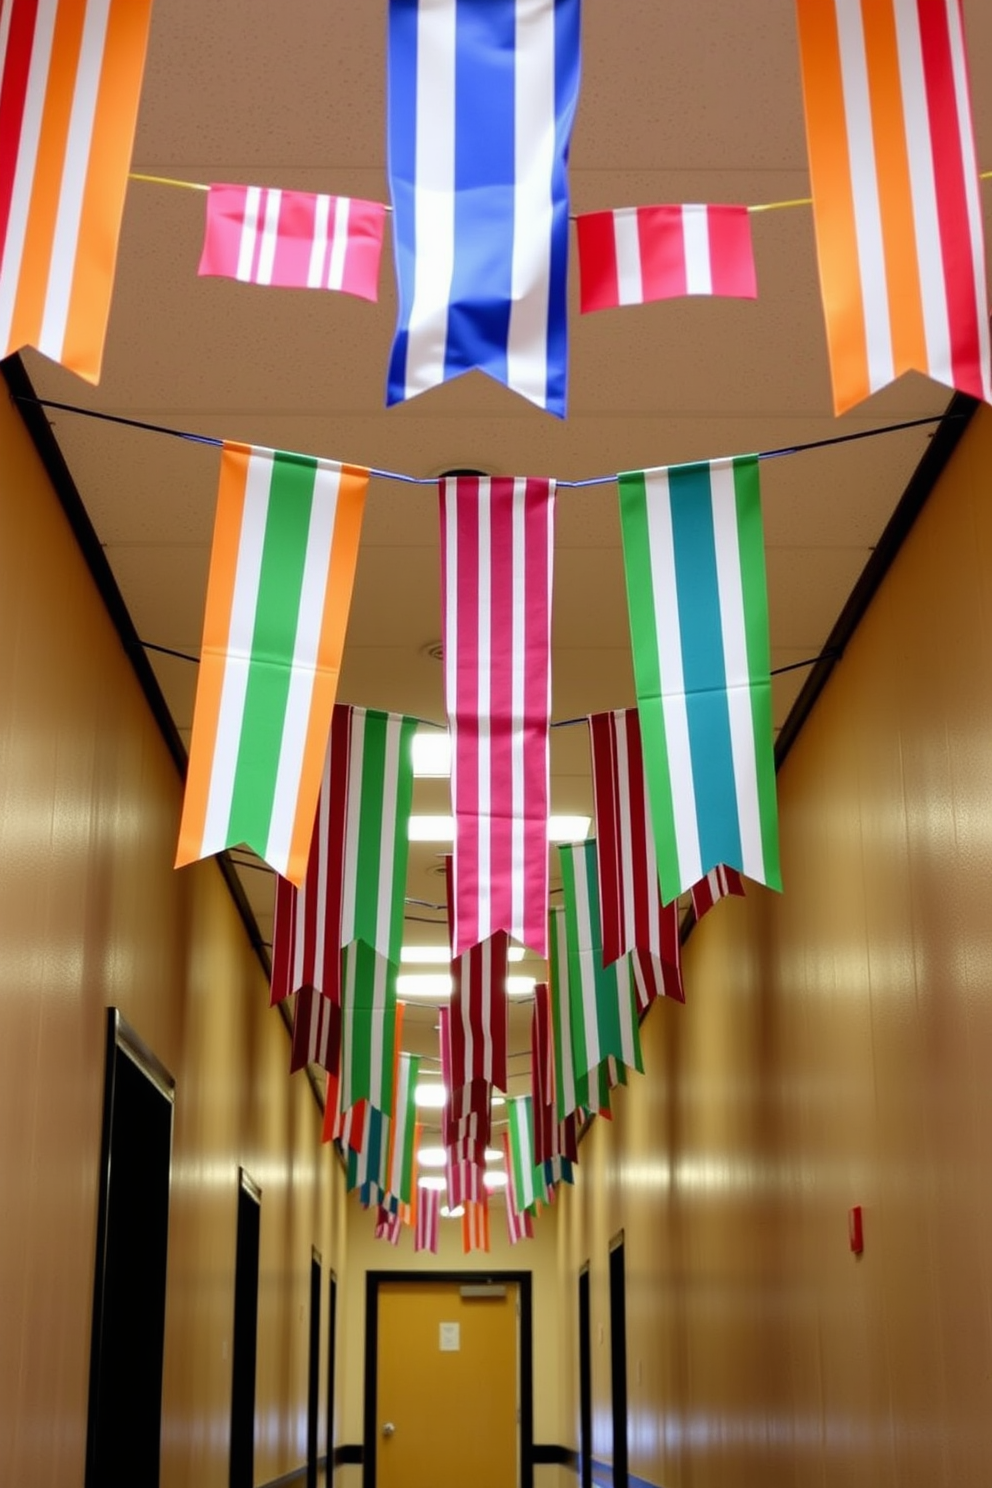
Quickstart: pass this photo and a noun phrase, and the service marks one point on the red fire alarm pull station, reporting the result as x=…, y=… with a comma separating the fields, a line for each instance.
x=854, y=1230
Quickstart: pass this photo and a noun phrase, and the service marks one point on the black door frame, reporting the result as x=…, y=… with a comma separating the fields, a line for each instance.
x=524, y=1283
x=585, y=1378
x=618, y=1362
x=244, y=1348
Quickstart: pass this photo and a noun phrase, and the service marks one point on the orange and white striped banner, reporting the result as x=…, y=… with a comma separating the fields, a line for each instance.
x=895, y=193
x=475, y=1227
x=70, y=79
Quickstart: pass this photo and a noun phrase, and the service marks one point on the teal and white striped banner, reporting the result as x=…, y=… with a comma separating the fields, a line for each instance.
x=698, y=603
x=368, y=1028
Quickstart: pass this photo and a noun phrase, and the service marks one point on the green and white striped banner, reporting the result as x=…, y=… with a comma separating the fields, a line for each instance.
x=368, y=1028
x=377, y=846
x=525, y=1176
x=697, y=597
x=402, y=1130
x=603, y=999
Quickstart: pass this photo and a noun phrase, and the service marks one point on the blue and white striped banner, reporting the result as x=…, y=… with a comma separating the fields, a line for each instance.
x=482, y=96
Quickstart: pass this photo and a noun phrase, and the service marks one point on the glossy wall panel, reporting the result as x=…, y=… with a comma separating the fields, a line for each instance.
x=835, y=1049
x=93, y=914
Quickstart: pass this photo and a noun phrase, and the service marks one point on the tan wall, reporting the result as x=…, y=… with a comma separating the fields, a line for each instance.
x=539, y=1256
x=835, y=1049
x=92, y=914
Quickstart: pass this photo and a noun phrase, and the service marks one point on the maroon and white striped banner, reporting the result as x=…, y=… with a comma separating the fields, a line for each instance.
x=497, y=551
x=426, y=1232
x=717, y=884
x=631, y=910
x=316, y=1032
x=464, y=1137
x=388, y=1226
x=479, y=1022
x=306, y=937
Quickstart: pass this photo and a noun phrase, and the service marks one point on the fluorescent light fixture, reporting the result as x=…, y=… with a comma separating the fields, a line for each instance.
x=497, y=1100
x=431, y=1157
x=433, y=1180
x=429, y=1097
x=495, y=1180
x=442, y=828
x=432, y=753
x=456, y=1213
x=440, y=955
x=494, y=1154
x=520, y=986
x=435, y=986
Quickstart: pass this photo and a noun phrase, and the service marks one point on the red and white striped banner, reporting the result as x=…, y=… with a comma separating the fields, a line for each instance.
x=464, y=1177
x=633, y=255
x=718, y=884
x=306, y=936
x=427, y=1230
x=388, y=1226
x=497, y=551
x=631, y=910
x=479, y=1009
x=293, y=239
x=316, y=1032
x=654, y=977
x=475, y=1225
x=350, y=1127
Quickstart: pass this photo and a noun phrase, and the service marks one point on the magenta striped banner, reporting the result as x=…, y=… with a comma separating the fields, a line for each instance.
x=293, y=239
x=316, y=1032
x=427, y=1230
x=633, y=255
x=630, y=904
x=497, y=550
x=717, y=884
x=306, y=936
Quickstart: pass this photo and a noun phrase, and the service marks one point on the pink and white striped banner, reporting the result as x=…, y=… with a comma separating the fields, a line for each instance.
x=427, y=1229
x=636, y=254
x=630, y=904
x=717, y=884
x=497, y=552
x=316, y=1032
x=306, y=936
x=293, y=239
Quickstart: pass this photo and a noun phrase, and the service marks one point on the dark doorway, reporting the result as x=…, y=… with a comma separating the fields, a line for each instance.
x=313, y=1389
x=332, y=1326
x=585, y=1380
x=618, y=1361
x=125, y=1399
x=242, y=1461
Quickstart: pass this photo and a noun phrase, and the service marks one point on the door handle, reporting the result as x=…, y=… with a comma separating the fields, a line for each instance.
x=388, y=1428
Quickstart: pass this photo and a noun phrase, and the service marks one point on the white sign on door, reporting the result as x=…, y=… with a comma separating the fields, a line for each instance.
x=451, y=1341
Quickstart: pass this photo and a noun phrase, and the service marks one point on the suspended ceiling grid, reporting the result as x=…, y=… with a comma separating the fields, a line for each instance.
x=686, y=100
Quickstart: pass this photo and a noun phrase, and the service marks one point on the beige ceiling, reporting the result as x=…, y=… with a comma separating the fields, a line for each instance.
x=682, y=100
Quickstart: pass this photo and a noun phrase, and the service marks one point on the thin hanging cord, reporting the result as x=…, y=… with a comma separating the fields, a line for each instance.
x=430, y=480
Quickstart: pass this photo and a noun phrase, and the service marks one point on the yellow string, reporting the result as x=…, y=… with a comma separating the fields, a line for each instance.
x=167, y=181
x=797, y=201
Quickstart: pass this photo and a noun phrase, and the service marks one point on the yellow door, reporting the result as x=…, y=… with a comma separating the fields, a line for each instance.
x=447, y=1387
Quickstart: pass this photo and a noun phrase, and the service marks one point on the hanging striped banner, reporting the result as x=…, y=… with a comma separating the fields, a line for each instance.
x=70, y=80
x=293, y=239
x=637, y=254
x=604, y=1015
x=655, y=978
x=464, y=1177
x=316, y=1032
x=371, y=1023
x=631, y=910
x=475, y=1225
x=695, y=564
x=332, y=1085
x=377, y=843
x=349, y=1127
x=278, y=594
x=482, y=94
x=571, y=1090
x=896, y=201
x=526, y=1177
x=519, y=1222
x=552, y=1138
x=402, y=1130
x=428, y=1226
x=496, y=576
x=479, y=1020
x=366, y=1168
x=306, y=935
x=718, y=884
x=388, y=1226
